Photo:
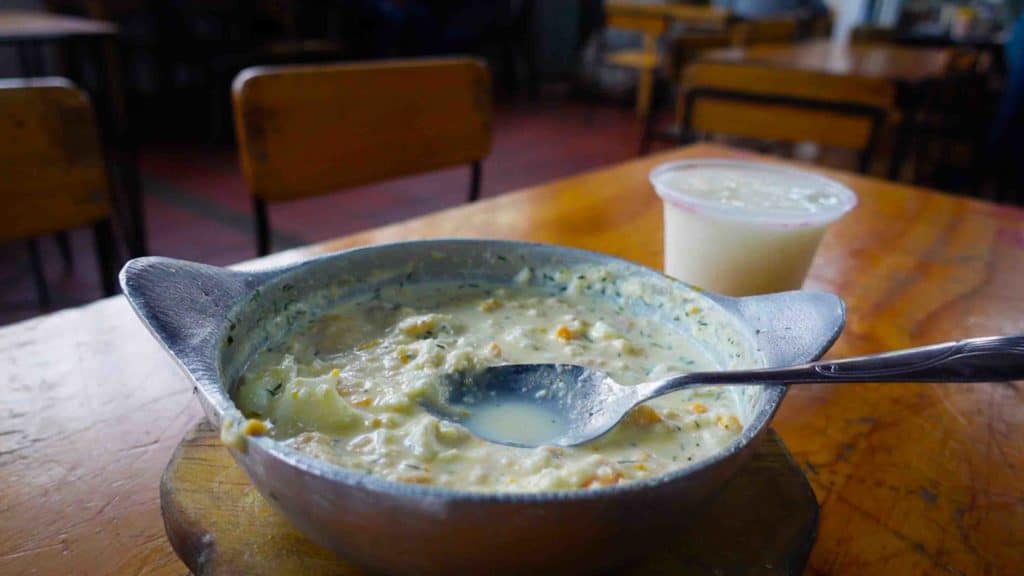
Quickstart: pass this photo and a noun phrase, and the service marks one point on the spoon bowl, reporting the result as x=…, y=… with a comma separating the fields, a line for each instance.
x=530, y=405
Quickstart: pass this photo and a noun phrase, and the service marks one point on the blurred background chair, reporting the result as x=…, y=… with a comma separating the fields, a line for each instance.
x=685, y=48
x=868, y=34
x=790, y=106
x=766, y=31
x=311, y=130
x=644, y=60
x=54, y=171
x=653, y=22
x=682, y=51
x=949, y=147
x=818, y=25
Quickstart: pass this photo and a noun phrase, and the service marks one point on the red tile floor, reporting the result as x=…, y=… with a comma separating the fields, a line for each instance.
x=197, y=207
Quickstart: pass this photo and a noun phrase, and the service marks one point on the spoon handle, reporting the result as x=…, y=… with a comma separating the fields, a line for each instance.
x=991, y=359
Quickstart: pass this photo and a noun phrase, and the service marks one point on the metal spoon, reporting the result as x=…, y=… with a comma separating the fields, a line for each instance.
x=532, y=405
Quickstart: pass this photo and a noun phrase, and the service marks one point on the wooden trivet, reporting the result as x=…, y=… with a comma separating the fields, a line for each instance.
x=762, y=522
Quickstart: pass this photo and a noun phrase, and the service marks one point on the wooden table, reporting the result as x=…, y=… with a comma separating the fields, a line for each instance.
x=912, y=479
x=96, y=40
x=909, y=68
x=900, y=64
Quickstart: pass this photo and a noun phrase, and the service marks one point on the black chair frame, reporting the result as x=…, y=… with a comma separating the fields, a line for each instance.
x=262, y=217
x=106, y=258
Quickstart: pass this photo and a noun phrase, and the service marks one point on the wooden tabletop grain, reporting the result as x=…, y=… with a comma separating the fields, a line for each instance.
x=900, y=64
x=912, y=479
x=25, y=25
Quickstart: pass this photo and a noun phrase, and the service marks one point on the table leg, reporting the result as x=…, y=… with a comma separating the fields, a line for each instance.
x=660, y=89
x=644, y=88
x=42, y=291
x=645, y=84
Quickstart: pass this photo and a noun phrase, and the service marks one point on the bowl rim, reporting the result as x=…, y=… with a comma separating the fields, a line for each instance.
x=205, y=370
x=771, y=398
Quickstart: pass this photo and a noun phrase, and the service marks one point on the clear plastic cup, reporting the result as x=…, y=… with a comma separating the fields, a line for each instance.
x=742, y=228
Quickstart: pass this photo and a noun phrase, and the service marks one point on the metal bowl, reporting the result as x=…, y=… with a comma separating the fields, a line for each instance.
x=213, y=320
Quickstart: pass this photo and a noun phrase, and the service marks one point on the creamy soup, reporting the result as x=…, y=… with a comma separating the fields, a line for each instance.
x=515, y=422
x=349, y=387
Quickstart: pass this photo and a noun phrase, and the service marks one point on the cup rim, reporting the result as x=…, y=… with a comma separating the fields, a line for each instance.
x=694, y=204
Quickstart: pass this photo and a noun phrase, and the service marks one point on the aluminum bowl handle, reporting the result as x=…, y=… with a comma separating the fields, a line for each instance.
x=789, y=328
x=185, y=305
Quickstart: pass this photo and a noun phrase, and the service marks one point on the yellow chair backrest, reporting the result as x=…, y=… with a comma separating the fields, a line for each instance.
x=647, y=24
x=871, y=35
x=785, y=105
x=767, y=31
x=52, y=171
x=308, y=130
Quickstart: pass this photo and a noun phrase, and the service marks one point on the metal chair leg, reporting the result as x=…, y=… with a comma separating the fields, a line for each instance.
x=42, y=291
x=474, y=182
x=645, y=138
x=651, y=121
x=105, y=256
x=259, y=208
x=64, y=245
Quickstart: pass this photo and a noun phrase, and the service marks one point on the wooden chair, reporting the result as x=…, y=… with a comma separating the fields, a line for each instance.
x=786, y=105
x=645, y=60
x=54, y=175
x=310, y=130
x=820, y=26
x=766, y=31
x=685, y=48
x=682, y=50
x=865, y=34
x=652, y=22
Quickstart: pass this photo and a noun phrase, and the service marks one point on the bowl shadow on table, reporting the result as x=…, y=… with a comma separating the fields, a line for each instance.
x=764, y=521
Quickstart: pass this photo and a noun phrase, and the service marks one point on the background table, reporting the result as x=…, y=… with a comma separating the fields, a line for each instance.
x=911, y=478
x=900, y=64
x=910, y=69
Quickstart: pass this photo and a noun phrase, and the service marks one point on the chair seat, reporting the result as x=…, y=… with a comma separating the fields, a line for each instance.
x=636, y=59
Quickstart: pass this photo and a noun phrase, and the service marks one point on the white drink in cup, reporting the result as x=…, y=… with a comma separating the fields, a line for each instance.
x=742, y=228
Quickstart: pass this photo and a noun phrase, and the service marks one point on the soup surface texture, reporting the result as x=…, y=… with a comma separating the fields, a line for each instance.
x=348, y=387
